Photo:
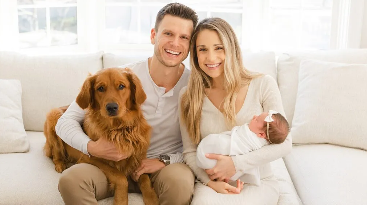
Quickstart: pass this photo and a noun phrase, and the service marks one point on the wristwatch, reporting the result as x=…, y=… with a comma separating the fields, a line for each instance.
x=165, y=159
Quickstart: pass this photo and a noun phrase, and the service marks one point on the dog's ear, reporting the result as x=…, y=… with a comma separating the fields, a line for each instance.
x=137, y=93
x=86, y=94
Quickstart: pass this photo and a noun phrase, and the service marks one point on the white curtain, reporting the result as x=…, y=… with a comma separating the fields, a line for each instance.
x=348, y=23
x=8, y=25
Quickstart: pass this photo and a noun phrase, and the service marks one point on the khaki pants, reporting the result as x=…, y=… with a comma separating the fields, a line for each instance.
x=85, y=184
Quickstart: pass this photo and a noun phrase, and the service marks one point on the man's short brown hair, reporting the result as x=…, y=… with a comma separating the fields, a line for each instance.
x=176, y=9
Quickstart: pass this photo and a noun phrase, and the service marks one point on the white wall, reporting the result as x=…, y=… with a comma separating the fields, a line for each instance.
x=364, y=27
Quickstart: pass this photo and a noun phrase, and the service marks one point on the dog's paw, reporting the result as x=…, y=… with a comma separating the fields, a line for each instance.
x=60, y=167
x=150, y=197
x=152, y=201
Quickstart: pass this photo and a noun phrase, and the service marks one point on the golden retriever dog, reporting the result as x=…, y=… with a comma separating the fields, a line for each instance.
x=112, y=99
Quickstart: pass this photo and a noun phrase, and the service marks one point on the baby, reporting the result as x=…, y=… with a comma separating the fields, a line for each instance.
x=267, y=128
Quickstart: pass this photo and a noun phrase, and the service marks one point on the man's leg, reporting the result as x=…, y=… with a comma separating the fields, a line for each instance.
x=174, y=184
x=83, y=184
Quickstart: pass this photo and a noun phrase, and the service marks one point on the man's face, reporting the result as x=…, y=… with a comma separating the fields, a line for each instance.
x=172, y=40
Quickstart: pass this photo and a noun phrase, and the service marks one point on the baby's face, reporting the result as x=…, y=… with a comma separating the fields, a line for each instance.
x=257, y=123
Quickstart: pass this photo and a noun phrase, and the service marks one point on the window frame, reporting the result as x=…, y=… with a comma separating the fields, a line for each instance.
x=346, y=28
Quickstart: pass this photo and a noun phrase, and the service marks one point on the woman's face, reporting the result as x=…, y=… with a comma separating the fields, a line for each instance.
x=211, y=54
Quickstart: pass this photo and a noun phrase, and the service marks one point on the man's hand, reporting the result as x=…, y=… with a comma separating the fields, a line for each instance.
x=225, y=188
x=148, y=166
x=106, y=150
x=223, y=170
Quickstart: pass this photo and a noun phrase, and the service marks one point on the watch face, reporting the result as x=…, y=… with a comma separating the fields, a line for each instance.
x=165, y=159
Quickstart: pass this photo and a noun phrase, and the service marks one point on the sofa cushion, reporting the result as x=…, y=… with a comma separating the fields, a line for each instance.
x=263, y=62
x=30, y=178
x=331, y=104
x=328, y=174
x=12, y=133
x=111, y=60
x=287, y=192
x=288, y=67
x=47, y=81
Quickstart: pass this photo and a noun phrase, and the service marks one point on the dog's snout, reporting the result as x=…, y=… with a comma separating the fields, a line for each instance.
x=112, y=109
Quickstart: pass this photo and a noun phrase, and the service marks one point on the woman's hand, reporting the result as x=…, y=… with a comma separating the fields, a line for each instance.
x=225, y=188
x=223, y=170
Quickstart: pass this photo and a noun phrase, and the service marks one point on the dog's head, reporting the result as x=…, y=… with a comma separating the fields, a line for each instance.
x=112, y=92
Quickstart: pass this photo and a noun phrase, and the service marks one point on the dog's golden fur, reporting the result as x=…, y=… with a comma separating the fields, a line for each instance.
x=112, y=99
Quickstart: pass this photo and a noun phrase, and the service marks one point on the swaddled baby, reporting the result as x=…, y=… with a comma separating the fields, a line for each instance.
x=266, y=128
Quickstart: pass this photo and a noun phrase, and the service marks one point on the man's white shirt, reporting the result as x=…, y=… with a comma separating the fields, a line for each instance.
x=160, y=109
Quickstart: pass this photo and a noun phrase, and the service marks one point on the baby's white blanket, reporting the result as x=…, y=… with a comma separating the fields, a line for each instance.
x=240, y=140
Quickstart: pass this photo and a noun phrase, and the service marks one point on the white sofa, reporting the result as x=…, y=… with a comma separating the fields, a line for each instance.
x=321, y=172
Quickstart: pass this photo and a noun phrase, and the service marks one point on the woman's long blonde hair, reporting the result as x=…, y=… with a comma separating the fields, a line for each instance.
x=235, y=77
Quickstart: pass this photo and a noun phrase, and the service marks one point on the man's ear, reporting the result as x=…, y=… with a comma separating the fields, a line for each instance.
x=152, y=36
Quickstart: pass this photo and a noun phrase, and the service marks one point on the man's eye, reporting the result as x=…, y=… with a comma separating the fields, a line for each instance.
x=101, y=89
x=121, y=87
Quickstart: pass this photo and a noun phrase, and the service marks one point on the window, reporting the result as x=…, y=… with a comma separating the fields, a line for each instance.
x=125, y=25
x=302, y=24
x=259, y=24
x=47, y=23
x=130, y=21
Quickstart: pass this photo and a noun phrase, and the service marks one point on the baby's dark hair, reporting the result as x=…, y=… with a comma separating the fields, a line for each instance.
x=278, y=129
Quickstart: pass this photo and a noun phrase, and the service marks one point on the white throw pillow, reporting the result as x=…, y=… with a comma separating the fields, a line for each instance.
x=288, y=67
x=12, y=133
x=331, y=104
x=48, y=81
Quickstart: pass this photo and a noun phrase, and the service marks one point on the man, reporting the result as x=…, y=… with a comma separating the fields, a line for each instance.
x=162, y=75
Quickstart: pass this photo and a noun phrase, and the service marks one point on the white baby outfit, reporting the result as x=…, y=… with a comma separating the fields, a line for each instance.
x=240, y=140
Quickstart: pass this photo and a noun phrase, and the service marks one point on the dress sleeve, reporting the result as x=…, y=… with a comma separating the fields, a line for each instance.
x=69, y=128
x=270, y=99
x=189, y=149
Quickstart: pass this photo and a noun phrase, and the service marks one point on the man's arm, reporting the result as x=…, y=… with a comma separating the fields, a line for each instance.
x=69, y=129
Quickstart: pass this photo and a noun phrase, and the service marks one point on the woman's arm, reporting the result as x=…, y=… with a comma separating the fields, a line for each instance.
x=270, y=100
x=190, y=159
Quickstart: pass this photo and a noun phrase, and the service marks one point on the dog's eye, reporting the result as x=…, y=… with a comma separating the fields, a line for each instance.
x=101, y=89
x=121, y=86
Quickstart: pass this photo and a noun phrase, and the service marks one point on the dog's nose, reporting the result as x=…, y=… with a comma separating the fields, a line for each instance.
x=112, y=108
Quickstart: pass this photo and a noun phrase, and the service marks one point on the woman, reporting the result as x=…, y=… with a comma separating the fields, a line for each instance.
x=221, y=94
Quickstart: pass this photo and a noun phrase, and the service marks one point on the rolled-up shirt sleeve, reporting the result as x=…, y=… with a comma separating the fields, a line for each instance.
x=69, y=128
